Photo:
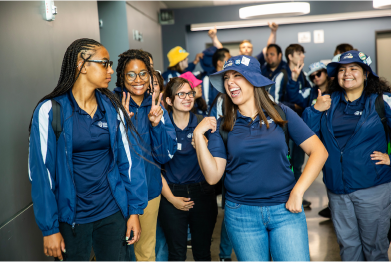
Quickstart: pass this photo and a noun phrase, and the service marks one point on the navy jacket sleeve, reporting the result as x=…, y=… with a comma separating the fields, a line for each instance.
x=190, y=67
x=312, y=117
x=132, y=170
x=276, y=90
x=296, y=95
x=261, y=58
x=163, y=137
x=41, y=169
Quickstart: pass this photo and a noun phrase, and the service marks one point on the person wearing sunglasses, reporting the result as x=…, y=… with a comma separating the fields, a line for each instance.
x=187, y=198
x=135, y=88
x=88, y=177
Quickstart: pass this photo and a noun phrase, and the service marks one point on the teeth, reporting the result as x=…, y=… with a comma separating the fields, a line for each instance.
x=234, y=89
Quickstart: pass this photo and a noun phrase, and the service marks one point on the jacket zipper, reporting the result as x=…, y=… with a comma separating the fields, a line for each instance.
x=136, y=113
x=345, y=145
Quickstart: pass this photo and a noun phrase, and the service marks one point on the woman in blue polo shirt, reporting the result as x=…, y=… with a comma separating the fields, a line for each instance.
x=264, y=217
x=188, y=198
x=135, y=87
x=88, y=179
x=357, y=174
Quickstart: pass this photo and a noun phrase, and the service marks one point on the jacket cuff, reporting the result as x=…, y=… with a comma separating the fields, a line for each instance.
x=315, y=111
x=50, y=232
x=136, y=211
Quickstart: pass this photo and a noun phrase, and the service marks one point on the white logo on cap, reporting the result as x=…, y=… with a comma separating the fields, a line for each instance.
x=348, y=56
x=245, y=61
x=227, y=64
x=369, y=60
x=237, y=62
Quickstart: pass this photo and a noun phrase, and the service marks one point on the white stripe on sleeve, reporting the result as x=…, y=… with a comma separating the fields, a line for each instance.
x=43, y=121
x=125, y=142
x=277, y=86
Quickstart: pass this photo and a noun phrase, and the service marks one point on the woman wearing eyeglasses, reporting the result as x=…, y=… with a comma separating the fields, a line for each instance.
x=187, y=198
x=88, y=179
x=135, y=86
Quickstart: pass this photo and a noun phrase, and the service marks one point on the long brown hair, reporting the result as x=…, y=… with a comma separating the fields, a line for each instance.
x=262, y=101
x=171, y=89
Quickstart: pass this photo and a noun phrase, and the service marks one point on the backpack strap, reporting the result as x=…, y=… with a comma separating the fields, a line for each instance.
x=199, y=118
x=285, y=82
x=381, y=111
x=56, y=121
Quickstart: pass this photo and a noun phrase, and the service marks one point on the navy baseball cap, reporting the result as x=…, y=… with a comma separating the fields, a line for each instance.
x=350, y=57
x=248, y=66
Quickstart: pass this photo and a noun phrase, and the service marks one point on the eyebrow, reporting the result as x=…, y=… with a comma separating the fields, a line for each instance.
x=343, y=66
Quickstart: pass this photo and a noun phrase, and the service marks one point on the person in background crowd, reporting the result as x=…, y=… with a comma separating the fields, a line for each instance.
x=88, y=183
x=246, y=48
x=276, y=70
x=342, y=48
x=263, y=216
x=208, y=92
x=179, y=63
x=158, y=84
x=219, y=58
x=199, y=105
x=357, y=174
x=134, y=86
x=187, y=198
x=294, y=55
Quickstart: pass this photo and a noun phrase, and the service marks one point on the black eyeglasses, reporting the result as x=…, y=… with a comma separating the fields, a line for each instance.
x=105, y=63
x=131, y=76
x=182, y=95
x=312, y=77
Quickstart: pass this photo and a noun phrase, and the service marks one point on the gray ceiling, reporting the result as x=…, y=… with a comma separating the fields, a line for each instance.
x=189, y=4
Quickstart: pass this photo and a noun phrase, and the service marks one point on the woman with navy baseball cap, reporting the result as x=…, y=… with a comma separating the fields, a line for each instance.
x=351, y=123
x=264, y=217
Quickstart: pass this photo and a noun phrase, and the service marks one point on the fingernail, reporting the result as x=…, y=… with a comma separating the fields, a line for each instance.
x=64, y=250
x=128, y=244
x=127, y=238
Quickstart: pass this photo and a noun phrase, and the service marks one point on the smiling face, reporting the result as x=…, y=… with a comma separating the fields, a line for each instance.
x=138, y=86
x=183, y=104
x=238, y=88
x=351, y=76
x=96, y=73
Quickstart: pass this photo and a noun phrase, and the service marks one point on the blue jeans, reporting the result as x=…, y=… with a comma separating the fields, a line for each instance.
x=259, y=233
x=161, y=248
x=225, y=243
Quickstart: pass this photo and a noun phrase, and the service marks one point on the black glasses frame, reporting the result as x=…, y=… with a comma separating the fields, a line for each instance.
x=132, y=79
x=312, y=77
x=105, y=63
x=191, y=94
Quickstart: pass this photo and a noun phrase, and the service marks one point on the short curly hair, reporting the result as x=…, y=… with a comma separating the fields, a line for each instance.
x=125, y=58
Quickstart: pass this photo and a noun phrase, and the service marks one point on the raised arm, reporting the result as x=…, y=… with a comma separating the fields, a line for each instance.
x=272, y=37
x=213, y=35
x=212, y=167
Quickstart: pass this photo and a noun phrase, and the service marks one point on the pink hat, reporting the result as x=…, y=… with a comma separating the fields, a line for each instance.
x=191, y=78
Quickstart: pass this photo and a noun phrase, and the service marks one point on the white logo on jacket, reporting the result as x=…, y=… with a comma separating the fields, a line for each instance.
x=102, y=124
x=358, y=113
x=189, y=135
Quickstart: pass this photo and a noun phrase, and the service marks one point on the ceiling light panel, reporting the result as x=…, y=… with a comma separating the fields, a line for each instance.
x=273, y=10
x=381, y=4
x=239, y=2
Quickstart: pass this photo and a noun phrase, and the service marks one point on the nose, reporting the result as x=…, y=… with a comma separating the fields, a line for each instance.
x=111, y=71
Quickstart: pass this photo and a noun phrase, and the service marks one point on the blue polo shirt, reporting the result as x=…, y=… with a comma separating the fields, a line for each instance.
x=345, y=118
x=92, y=160
x=257, y=171
x=183, y=168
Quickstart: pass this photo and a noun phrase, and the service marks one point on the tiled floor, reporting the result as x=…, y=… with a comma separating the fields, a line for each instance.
x=322, y=239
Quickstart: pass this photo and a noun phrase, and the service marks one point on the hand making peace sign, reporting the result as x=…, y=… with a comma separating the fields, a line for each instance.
x=156, y=112
x=297, y=70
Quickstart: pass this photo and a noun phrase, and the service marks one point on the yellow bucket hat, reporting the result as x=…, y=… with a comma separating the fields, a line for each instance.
x=176, y=55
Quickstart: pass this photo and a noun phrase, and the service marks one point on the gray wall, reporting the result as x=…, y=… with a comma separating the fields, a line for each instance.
x=360, y=33
x=114, y=33
x=32, y=50
x=143, y=16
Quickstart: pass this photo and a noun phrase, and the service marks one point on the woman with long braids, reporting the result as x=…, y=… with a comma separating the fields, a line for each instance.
x=89, y=186
x=135, y=88
x=263, y=215
x=352, y=123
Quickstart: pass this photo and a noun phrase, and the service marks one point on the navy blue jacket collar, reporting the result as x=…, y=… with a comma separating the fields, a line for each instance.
x=266, y=71
x=192, y=122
